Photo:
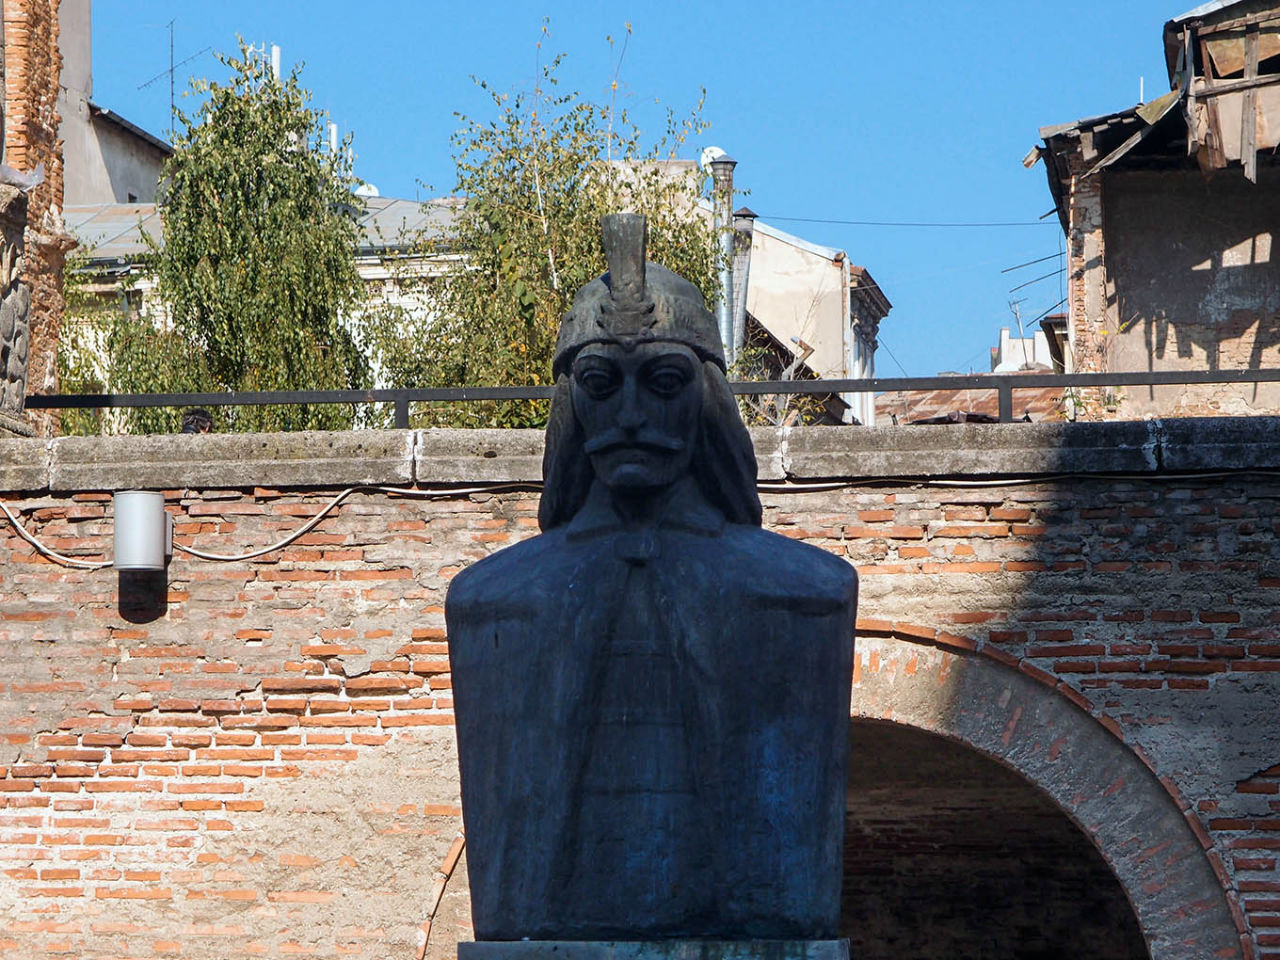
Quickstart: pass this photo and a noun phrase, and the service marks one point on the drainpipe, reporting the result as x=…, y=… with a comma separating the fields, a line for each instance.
x=744, y=228
x=722, y=191
x=850, y=344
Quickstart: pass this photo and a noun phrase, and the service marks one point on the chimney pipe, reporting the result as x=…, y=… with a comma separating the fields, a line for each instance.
x=744, y=227
x=722, y=187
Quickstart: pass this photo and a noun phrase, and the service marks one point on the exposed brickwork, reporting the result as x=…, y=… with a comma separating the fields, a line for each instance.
x=258, y=759
x=921, y=827
x=1170, y=270
x=32, y=65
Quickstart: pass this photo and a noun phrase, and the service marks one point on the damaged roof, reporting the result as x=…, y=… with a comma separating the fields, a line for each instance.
x=1222, y=69
x=1152, y=134
x=1214, y=13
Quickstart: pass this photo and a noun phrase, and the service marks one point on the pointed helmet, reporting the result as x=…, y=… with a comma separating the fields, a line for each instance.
x=636, y=302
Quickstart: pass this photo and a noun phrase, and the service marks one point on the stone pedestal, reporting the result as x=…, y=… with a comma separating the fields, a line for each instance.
x=654, y=950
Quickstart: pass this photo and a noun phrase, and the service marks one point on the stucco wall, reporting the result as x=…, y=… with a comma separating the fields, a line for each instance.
x=1185, y=276
x=256, y=757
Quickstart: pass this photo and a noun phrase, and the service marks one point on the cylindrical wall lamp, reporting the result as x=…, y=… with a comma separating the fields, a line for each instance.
x=142, y=531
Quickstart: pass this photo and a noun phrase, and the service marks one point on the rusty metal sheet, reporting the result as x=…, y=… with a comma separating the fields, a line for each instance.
x=1227, y=50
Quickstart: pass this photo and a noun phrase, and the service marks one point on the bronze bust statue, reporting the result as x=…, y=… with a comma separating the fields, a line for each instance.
x=652, y=696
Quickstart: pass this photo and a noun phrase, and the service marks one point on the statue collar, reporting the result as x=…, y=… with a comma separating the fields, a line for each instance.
x=686, y=510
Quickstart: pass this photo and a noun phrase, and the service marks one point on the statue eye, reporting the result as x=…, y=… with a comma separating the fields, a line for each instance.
x=596, y=381
x=667, y=380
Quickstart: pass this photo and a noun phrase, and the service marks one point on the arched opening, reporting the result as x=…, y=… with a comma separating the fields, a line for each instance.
x=1037, y=733
x=950, y=854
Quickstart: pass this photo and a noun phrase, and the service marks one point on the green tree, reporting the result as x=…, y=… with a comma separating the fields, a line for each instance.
x=534, y=182
x=256, y=273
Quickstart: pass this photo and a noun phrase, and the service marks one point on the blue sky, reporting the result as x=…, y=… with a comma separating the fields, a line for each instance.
x=906, y=111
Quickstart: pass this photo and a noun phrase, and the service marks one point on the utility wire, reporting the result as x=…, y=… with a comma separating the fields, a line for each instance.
x=1052, y=273
x=278, y=545
x=1050, y=310
x=1052, y=256
x=880, y=339
x=914, y=223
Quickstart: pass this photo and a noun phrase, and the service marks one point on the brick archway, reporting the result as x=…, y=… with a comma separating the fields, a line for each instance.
x=1100, y=784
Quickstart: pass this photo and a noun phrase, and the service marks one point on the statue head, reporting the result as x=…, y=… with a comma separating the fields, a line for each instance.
x=641, y=398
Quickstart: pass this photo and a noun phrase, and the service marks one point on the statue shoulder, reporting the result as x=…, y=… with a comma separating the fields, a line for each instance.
x=512, y=571
x=796, y=566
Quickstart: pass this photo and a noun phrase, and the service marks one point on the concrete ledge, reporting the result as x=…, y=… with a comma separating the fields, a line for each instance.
x=24, y=464
x=971, y=450
x=434, y=457
x=769, y=443
x=319, y=459
x=478, y=456
x=654, y=950
x=1212, y=443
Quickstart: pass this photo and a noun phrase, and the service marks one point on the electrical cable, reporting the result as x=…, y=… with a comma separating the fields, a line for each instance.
x=912, y=223
x=799, y=486
x=822, y=486
x=46, y=551
x=310, y=524
x=50, y=553
x=1019, y=266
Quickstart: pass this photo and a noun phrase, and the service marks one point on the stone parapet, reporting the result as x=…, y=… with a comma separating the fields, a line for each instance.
x=795, y=455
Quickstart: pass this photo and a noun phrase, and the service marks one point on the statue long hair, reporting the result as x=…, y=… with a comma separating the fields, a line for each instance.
x=724, y=463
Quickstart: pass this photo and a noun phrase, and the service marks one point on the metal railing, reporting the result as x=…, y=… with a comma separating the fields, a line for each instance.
x=1005, y=386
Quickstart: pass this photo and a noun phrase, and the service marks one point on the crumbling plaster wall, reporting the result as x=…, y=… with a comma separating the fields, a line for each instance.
x=256, y=757
x=1176, y=270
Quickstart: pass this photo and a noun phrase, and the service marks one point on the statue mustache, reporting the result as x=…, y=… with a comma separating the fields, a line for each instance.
x=646, y=439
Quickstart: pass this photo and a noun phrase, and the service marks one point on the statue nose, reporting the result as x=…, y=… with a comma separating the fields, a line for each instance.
x=630, y=415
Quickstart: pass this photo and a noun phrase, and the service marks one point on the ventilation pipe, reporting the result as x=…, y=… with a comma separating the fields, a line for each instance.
x=744, y=227
x=722, y=193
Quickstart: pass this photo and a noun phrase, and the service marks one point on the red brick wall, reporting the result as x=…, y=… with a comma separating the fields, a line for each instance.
x=257, y=758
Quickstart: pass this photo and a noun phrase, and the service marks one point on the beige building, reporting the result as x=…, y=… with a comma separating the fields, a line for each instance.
x=817, y=313
x=106, y=158
x=820, y=307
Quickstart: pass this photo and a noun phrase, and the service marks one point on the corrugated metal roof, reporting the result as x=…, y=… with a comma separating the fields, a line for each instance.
x=388, y=222
x=915, y=406
x=1213, y=6
x=112, y=232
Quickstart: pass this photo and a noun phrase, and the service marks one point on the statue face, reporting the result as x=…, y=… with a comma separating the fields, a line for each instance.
x=639, y=412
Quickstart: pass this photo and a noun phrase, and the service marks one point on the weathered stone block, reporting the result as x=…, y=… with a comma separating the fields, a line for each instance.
x=481, y=456
x=324, y=459
x=24, y=464
x=1220, y=443
x=969, y=449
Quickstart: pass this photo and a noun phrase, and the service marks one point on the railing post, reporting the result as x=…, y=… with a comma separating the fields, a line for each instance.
x=1004, y=390
x=402, y=412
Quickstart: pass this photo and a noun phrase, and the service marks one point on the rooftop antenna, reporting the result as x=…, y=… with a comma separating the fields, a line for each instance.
x=1014, y=305
x=172, y=68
